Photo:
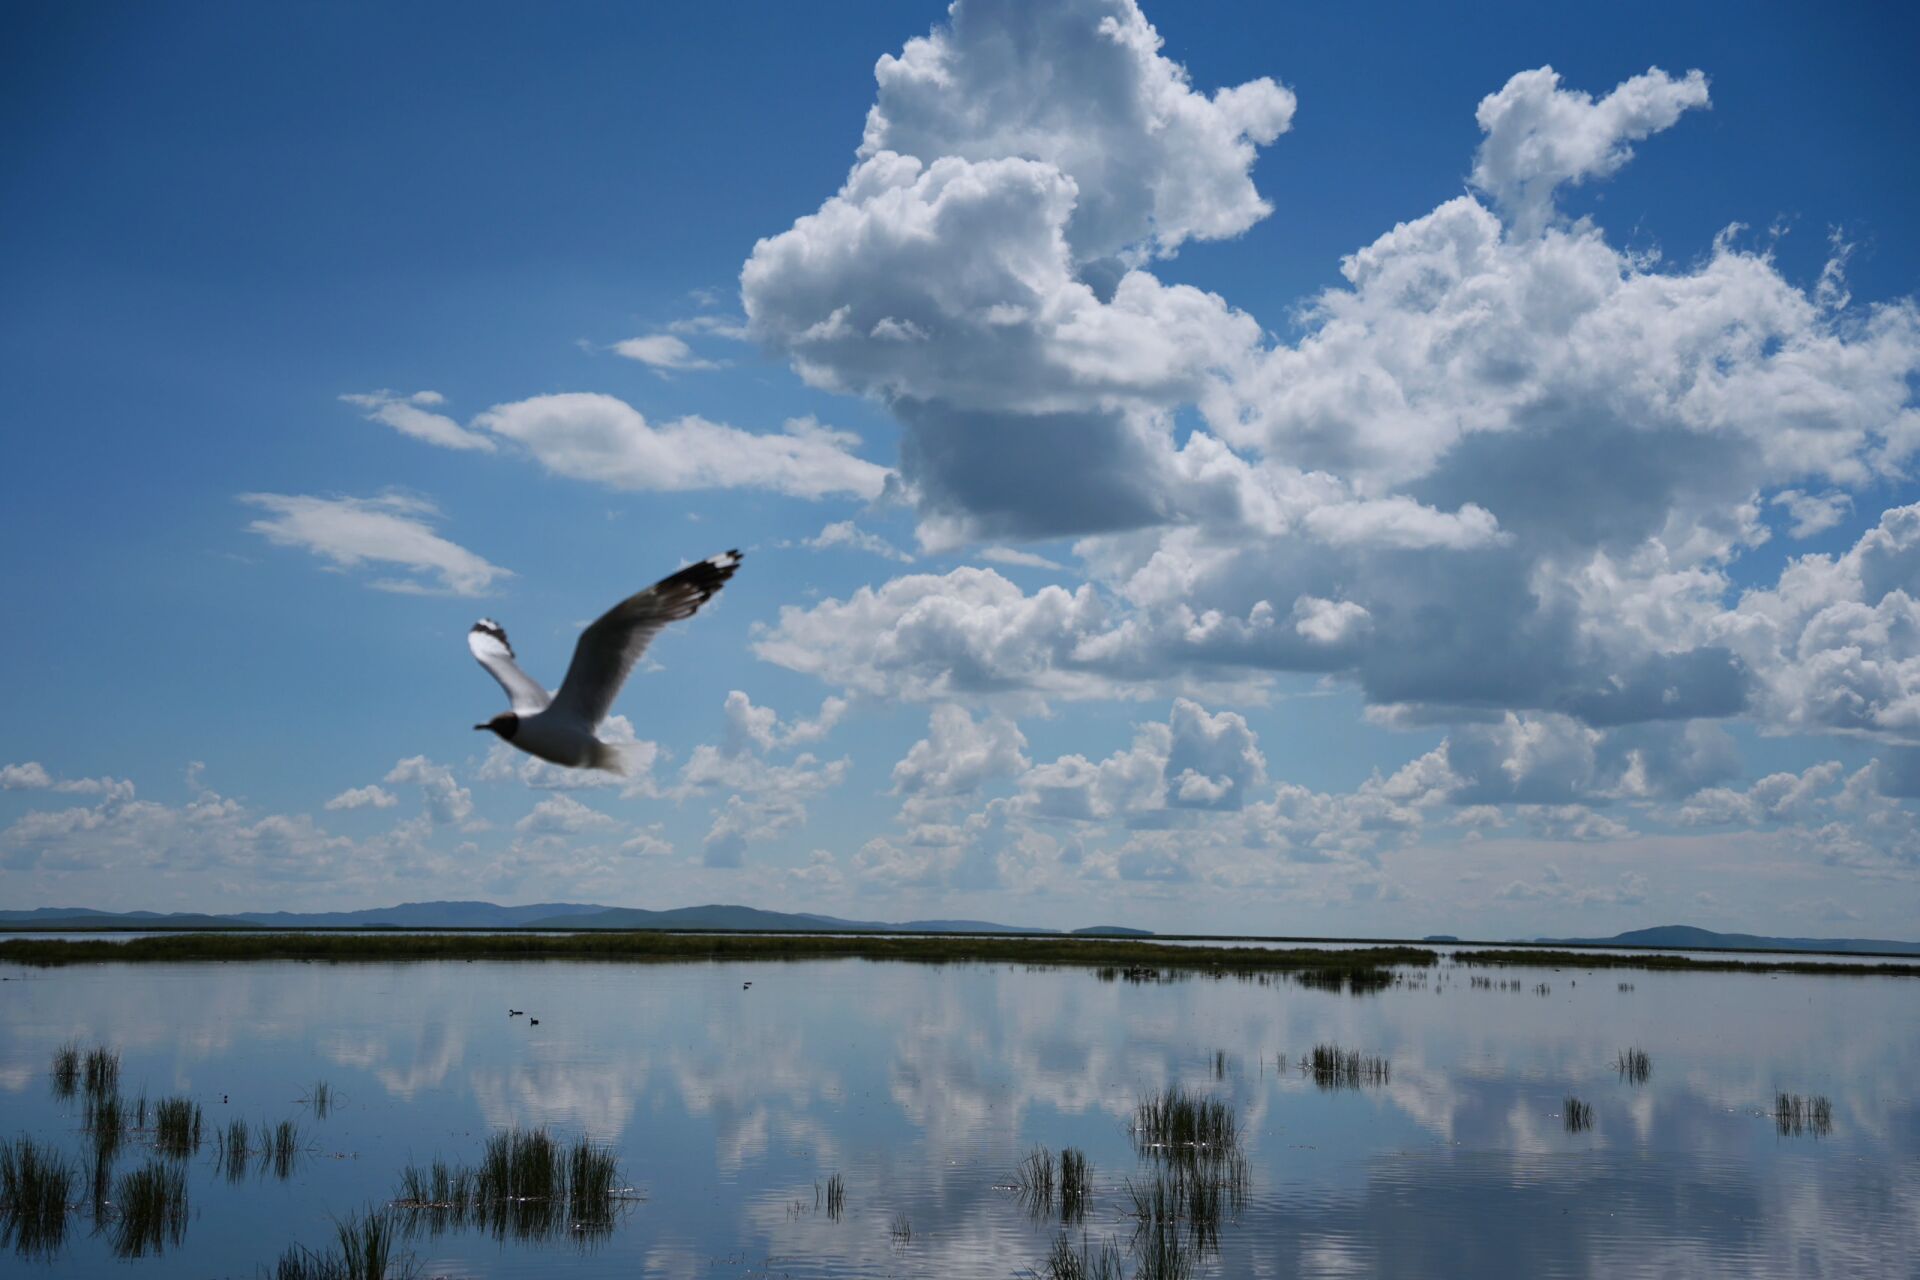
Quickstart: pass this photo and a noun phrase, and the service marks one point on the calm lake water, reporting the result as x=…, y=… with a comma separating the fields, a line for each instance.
x=923, y=1086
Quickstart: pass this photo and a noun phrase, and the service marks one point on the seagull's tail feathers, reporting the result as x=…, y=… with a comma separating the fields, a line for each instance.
x=608, y=759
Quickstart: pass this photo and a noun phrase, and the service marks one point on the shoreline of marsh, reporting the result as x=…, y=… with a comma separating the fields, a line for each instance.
x=654, y=946
x=663, y=946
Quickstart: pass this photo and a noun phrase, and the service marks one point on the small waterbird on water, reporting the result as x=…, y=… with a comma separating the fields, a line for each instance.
x=560, y=727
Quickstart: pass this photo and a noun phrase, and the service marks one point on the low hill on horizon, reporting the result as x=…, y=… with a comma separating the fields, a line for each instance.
x=1695, y=938
x=488, y=915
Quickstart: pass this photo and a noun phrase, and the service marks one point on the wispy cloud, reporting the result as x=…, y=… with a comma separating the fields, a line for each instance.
x=390, y=529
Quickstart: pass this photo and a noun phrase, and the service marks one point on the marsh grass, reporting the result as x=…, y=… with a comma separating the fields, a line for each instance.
x=1182, y=1205
x=1174, y=1120
x=102, y=1072
x=666, y=947
x=1034, y=1180
x=364, y=1252
x=234, y=1151
x=36, y=1184
x=900, y=1228
x=106, y=1123
x=1088, y=1262
x=529, y=1187
x=66, y=1069
x=1794, y=1115
x=176, y=1126
x=151, y=1210
x=1358, y=980
x=836, y=1196
x=280, y=1149
x=1635, y=1065
x=1076, y=1184
x=1578, y=1115
x=320, y=1099
x=1335, y=1068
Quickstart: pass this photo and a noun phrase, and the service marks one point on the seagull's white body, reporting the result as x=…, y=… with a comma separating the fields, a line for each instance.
x=561, y=727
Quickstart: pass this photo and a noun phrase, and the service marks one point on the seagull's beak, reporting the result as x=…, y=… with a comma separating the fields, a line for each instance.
x=483, y=726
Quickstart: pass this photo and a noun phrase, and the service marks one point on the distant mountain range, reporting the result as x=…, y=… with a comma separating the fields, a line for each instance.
x=1693, y=939
x=487, y=915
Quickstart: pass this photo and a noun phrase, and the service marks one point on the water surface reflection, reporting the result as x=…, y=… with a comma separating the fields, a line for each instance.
x=845, y=1117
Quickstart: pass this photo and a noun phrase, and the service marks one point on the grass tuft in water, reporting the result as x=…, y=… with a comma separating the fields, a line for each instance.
x=836, y=1196
x=1088, y=1262
x=1075, y=1185
x=1794, y=1115
x=152, y=1210
x=280, y=1149
x=1174, y=1119
x=1577, y=1114
x=176, y=1126
x=365, y=1252
x=235, y=1150
x=900, y=1228
x=1634, y=1065
x=66, y=1069
x=102, y=1072
x=36, y=1184
x=527, y=1186
x=320, y=1099
x=1335, y=1068
x=106, y=1123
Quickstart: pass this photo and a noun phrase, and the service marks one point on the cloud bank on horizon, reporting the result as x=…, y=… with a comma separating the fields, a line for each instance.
x=1504, y=488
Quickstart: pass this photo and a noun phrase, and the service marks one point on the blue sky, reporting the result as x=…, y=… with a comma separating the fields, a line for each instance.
x=1362, y=482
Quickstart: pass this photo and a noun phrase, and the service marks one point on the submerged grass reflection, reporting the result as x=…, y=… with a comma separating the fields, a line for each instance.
x=1087, y=1262
x=176, y=1126
x=1635, y=1065
x=526, y=1186
x=66, y=1069
x=36, y=1185
x=150, y=1210
x=1794, y=1115
x=1335, y=1068
x=365, y=1251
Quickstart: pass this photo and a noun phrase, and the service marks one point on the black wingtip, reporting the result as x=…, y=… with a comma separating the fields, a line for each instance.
x=487, y=626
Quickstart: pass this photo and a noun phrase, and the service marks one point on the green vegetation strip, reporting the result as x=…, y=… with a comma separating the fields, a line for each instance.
x=1628, y=960
x=656, y=946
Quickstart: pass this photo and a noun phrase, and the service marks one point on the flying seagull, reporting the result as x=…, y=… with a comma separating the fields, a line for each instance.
x=560, y=727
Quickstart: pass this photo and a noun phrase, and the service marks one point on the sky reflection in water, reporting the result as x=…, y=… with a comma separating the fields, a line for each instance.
x=924, y=1086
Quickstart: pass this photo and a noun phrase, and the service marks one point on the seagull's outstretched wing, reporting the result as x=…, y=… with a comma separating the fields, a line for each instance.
x=488, y=640
x=609, y=648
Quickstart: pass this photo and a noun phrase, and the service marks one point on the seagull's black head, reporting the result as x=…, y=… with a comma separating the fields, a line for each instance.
x=506, y=724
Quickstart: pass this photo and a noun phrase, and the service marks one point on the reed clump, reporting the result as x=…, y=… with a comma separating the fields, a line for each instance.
x=280, y=1149
x=528, y=1186
x=1087, y=1262
x=1635, y=1065
x=66, y=1069
x=102, y=1072
x=836, y=1196
x=176, y=1126
x=1794, y=1115
x=151, y=1210
x=36, y=1185
x=1335, y=1068
x=1034, y=1180
x=1577, y=1114
x=234, y=1150
x=1176, y=1120
x=1076, y=1184
x=320, y=1099
x=106, y=1123
x=365, y=1251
